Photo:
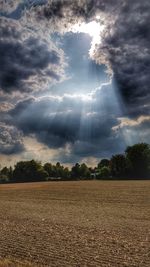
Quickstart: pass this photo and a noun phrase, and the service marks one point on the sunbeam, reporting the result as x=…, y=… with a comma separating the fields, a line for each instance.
x=94, y=29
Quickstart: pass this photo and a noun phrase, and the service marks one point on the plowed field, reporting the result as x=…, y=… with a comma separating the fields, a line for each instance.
x=76, y=224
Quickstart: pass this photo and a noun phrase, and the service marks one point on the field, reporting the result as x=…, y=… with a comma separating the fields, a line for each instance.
x=76, y=224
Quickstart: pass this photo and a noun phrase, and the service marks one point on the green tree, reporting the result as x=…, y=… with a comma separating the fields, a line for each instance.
x=66, y=173
x=6, y=174
x=3, y=178
x=75, y=171
x=138, y=156
x=84, y=171
x=103, y=163
x=48, y=167
x=27, y=171
x=10, y=174
x=119, y=166
x=104, y=173
x=5, y=171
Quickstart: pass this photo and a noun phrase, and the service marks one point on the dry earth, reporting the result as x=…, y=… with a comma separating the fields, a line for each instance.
x=76, y=224
x=14, y=263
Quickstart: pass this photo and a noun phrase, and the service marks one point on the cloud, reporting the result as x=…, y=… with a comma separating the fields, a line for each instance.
x=27, y=63
x=76, y=126
x=130, y=122
x=134, y=130
x=5, y=106
x=83, y=124
x=125, y=48
x=61, y=15
x=16, y=8
x=10, y=140
x=8, y=6
x=125, y=42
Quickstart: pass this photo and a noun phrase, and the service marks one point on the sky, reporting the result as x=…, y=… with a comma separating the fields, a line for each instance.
x=74, y=79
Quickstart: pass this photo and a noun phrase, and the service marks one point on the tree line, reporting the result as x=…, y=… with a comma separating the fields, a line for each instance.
x=133, y=164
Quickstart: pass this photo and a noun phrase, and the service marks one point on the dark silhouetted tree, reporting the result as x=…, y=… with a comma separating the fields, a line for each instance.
x=6, y=175
x=138, y=156
x=118, y=166
x=66, y=173
x=29, y=171
x=75, y=171
x=104, y=173
x=103, y=163
x=49, y=168
x=84, y=171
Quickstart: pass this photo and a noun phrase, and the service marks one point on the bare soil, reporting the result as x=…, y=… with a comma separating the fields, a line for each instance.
x=76, y=224
x=14, y=263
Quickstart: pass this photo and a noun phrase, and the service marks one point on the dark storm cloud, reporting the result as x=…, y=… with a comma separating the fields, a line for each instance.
x=127, y=49
x=134, y=130
x=83, y=127
x=62, y=14
x=87, y=128
x=59, y=121
x=125, y=42
x=49, y=119
x=78, y=8
x=10, y=140
x=8, y=5
x=14, y=9
x=27, y=63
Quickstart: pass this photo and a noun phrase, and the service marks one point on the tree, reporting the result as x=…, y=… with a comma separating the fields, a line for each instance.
x=5, y=171
x=103, y=163
x=10, y=174
x=4, y=178
x=29, y=171
x=48, y=167
x=118, y=166
x=138, y=156
x=104, y=173
x=75, y=171
x=84, y=171
x=6, y=174
x=135, y=163
x=66, y=173
x=55, y=171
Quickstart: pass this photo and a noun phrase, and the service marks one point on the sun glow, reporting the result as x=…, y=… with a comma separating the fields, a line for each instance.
x=94, y=29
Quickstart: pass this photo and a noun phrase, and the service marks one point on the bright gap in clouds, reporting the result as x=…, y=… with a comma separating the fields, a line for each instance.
x=94, y=29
